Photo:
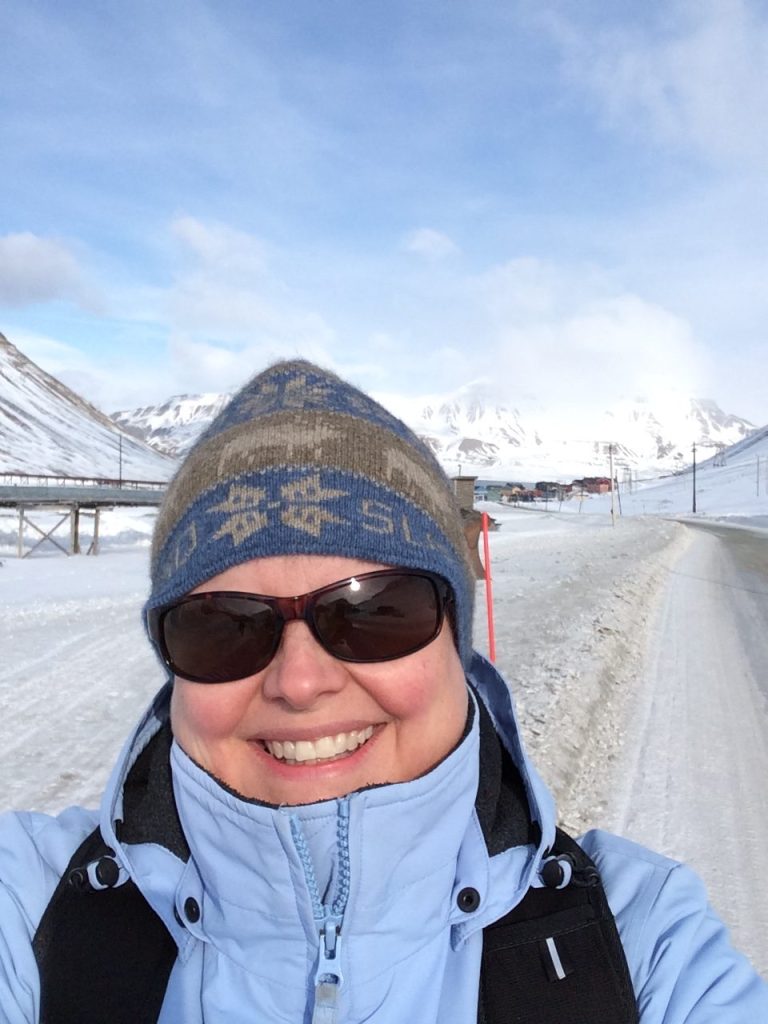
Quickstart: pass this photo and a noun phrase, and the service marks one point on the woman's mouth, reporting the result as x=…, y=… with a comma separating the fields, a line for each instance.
x=325, y=748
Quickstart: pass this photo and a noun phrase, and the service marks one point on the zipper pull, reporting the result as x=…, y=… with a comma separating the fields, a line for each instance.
x=328, y=976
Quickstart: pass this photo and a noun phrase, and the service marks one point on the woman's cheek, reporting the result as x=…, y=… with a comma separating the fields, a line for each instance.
x=199, y=713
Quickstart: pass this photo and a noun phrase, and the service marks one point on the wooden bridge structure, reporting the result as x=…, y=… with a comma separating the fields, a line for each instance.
x=70, y=499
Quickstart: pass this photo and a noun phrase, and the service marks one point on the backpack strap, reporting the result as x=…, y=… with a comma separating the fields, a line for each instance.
x=557, y=958
x=102, y=952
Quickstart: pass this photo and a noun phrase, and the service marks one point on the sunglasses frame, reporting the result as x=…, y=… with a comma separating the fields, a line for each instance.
x=300, y=607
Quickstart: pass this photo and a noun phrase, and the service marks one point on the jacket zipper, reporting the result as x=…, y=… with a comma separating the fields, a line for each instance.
x=329, y=917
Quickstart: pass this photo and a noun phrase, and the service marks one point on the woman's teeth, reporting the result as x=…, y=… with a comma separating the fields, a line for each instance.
x=324, y=749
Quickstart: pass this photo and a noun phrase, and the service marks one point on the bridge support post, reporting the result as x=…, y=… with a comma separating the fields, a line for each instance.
x=74, y=529
x=93, y=549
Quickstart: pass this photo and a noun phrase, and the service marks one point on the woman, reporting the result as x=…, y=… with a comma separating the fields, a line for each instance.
x=327, y=814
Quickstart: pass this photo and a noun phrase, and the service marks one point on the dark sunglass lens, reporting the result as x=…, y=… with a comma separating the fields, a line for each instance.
x=379, y=618
x=219, y=638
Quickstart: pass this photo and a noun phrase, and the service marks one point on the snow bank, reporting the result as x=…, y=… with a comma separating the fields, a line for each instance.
x=573, y=597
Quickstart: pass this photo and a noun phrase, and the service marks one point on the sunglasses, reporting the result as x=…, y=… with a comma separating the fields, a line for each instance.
x=222, y=635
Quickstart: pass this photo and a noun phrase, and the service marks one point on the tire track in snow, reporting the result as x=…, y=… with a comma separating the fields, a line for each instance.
x=72, y=692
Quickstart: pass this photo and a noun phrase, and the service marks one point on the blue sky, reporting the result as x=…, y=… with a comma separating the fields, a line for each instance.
x=566, y=199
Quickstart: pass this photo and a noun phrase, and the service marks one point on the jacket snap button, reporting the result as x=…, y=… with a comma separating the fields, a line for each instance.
x=107, y=872
x=192, y=910
x=468, y=900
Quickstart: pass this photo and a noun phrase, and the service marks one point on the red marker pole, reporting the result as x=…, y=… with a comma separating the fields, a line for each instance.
x=488, y=588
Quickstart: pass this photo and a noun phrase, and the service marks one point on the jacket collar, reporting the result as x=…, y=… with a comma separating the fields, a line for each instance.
x=404, y=842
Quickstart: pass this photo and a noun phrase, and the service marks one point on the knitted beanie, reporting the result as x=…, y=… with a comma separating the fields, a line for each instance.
x=301, y=462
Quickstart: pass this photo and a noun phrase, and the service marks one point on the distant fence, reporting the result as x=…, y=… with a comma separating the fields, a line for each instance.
x=43, y=480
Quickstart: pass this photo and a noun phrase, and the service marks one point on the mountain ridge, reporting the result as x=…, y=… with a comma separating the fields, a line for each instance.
x=487, y=437
x=45, y=427
x=49, y=430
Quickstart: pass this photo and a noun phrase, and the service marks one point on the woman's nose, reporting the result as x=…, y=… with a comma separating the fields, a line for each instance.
x=302, y=671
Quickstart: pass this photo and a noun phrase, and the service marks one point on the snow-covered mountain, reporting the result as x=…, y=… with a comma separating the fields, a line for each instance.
x=47, y=429
x=173, y=426
x=491, y=440
x=469, y=431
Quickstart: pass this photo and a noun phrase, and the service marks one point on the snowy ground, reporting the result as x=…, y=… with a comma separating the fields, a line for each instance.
x=636, y=653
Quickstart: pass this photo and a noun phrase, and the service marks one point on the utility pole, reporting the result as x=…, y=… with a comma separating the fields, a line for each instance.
x=758, y=476
x=120, y=463
x=613, y=502
x=694, y=477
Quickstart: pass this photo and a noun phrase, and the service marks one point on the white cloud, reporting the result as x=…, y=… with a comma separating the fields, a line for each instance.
x=546, y=335
x=526, y=288
x=35, y=269
x=696, y=80
x=220, y=249
x=568, y=336
x=229, y=314
x=543, y=333
x=199, y=365
x=431, y=244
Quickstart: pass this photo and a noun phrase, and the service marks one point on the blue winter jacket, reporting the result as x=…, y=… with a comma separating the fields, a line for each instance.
x=386, y=865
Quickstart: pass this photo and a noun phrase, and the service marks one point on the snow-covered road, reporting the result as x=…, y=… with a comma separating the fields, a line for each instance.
x=695, y=765
x=638, y=656
x=75, y=672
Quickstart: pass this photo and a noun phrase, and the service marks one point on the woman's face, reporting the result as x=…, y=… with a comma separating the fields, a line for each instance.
x=397, y=719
